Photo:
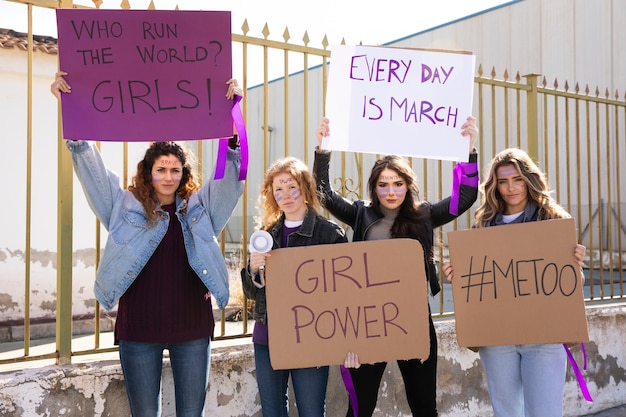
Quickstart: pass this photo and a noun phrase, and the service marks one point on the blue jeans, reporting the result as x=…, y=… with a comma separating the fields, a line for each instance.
x=309, y=387
x=525, y=380
x=142, y=364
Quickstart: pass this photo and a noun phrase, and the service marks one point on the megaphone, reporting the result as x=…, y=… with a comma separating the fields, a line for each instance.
x=261, y=241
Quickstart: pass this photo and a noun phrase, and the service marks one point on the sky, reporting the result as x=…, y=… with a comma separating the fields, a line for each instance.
x=370, y=22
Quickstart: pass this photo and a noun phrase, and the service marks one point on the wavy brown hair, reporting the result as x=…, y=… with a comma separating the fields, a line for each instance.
x=270, y=211
x=141, y=185
x=413, y=215
x=536, y=184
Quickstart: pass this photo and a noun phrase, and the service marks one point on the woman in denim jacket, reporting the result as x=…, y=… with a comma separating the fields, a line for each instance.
x=395, y=211
x=161, y=262
x=290, y=214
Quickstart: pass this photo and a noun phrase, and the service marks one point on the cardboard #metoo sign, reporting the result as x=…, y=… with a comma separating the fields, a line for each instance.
x=324, y=301
x=145, y=75
x=517, y=284
x=399, y=101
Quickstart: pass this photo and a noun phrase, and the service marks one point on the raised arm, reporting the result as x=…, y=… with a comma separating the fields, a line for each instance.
x=341, y=208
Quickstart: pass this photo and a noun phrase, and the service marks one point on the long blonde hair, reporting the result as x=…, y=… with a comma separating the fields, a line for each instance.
x=536, y=183
x=270, y=211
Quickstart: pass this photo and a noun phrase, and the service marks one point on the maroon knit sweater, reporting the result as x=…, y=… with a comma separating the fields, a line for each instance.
x=167, y=303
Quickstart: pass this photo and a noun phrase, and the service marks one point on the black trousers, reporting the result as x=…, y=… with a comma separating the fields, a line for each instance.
x=420, y=383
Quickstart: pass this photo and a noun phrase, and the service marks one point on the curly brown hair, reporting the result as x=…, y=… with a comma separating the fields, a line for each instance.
x=141, y=185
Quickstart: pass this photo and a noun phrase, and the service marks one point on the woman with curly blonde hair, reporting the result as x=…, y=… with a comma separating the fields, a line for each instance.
x=290, y=209
x=271, y=208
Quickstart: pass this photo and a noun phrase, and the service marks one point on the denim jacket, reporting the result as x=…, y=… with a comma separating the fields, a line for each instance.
x=131, y=242
x=315, y=230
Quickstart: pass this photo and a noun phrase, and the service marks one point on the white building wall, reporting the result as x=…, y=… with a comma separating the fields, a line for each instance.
x=43, y=184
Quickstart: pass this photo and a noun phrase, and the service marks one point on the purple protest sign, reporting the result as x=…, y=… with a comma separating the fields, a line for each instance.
x=150, y=75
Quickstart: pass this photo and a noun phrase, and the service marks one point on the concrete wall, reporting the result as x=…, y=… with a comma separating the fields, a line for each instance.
x=96, y=387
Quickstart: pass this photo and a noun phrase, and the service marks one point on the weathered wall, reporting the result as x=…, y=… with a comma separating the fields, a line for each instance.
x=97, y=389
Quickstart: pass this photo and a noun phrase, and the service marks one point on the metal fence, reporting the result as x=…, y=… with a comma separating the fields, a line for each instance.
x=578, y=136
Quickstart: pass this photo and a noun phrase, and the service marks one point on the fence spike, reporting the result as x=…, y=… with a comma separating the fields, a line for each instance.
x=518, y=77
x=606, y=93
x=305, y=38
x=556, y=84
x=266, y=30
x=151, y=6
x=286, y=35
x=493, y=73
x=325, y=42
x=587, y=89
x=125, y=5
x=576, y=88
x=506, y=75
x=245, y=28
x=597, y=91
x=480, y=70
x=544, y=82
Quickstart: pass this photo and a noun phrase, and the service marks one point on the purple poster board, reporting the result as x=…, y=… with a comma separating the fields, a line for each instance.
x=145, y=75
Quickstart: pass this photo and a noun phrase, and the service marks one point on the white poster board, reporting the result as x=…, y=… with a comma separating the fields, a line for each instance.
x=399, y=101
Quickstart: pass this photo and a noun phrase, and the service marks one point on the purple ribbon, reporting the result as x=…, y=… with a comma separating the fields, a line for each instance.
x=347, y=381
x=579, y=375
x=222, y=150
x=459, y=177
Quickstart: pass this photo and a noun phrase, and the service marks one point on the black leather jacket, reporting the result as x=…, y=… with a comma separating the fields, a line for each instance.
x=360, y=215
x=315, y=230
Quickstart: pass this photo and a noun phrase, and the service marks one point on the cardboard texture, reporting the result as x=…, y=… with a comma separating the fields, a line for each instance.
x=324, y=301
x=517, y=284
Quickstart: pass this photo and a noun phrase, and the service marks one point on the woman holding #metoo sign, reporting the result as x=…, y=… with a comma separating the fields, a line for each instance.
x=290, y=210
x=395, y=211
x=523, y=380
x=161, y=262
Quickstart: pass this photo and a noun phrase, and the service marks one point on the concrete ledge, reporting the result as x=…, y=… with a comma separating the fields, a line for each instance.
x=96, y=388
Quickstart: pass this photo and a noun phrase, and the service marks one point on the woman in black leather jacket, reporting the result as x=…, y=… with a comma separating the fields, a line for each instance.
x=395, y=211
x=290, y=214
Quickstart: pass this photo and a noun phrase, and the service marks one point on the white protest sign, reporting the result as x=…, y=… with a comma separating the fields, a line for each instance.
x=399, y=101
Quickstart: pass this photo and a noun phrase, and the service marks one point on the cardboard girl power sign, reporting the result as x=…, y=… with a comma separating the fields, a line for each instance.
x=369, y=298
